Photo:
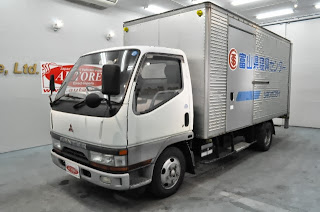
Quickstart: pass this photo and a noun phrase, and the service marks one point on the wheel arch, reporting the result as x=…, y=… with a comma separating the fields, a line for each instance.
x=263, y=123
x=184, y=146
x=273, y=129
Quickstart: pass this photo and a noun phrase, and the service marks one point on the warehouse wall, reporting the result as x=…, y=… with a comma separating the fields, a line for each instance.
x=305, y=86
x=26, y=37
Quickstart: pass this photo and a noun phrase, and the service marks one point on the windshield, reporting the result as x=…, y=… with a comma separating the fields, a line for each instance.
x=85, y=76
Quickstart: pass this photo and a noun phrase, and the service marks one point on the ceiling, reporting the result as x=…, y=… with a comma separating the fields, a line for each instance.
x=305, y=7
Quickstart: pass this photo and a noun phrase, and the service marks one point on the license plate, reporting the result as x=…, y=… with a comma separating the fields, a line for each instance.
x=72, y=169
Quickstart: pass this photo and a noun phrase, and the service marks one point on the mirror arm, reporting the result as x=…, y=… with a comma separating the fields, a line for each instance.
x=52, y=88
x=109, y=102
x=50, y=99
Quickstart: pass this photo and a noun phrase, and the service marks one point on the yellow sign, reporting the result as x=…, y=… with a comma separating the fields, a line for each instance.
x=25, y=69
x=2, y=70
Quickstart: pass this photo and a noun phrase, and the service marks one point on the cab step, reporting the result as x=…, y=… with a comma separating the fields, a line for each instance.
x=241, y=146
x=222, y=155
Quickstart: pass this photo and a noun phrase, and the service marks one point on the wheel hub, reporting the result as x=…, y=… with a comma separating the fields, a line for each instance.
x=170, y=173
x=173, y=173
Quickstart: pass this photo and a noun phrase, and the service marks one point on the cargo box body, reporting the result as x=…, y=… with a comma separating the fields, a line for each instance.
x=240, y=72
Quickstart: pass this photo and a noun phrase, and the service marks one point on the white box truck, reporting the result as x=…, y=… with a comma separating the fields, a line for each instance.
x=187, y=84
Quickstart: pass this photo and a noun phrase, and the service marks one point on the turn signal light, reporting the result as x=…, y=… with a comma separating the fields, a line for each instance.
x=123, y=152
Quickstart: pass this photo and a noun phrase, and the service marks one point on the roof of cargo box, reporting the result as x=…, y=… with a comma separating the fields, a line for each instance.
x=193, y=7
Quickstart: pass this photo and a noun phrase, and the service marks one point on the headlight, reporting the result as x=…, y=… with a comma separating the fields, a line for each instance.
x=102, y=158
x=109, y=160
x=56, y=144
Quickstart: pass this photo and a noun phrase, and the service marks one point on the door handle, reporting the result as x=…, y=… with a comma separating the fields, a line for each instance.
x=261, y=82
x=186, y=119
x=232, y=96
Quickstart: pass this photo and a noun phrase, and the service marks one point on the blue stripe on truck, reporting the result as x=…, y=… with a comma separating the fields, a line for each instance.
x=248, y=95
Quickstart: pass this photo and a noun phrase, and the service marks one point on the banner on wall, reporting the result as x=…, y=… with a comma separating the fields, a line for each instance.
x=59, y=70
x=87, y=77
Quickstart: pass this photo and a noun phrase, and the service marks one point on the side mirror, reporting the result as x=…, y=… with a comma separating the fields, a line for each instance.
x=93, y=100
x=111, y=79
x=52, y=84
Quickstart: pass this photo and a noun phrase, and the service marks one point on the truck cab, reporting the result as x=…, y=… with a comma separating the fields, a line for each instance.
x=115, y=139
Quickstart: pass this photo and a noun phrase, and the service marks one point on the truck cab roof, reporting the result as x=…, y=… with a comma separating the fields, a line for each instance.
x=143, y=49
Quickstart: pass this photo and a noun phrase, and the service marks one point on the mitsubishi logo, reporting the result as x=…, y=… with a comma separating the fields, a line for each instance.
x=70, y=128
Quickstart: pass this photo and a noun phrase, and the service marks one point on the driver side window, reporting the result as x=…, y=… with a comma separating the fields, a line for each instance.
x=159, y=81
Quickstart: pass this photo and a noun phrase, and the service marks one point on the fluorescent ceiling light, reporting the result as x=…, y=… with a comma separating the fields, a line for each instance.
x=275, y=13
x=155, y=9
x=241, y=2
x=197, y=1
x=317, y=6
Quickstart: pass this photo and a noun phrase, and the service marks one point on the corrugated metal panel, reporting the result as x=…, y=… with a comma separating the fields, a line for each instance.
x=218, y=73
x=268, y=108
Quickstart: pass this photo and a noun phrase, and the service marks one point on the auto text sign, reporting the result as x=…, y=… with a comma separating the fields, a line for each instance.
x=86, y=75
x=59, y=70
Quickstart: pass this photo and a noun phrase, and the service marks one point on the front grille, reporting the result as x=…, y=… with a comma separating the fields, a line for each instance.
x=74, y=153
x=80, y=158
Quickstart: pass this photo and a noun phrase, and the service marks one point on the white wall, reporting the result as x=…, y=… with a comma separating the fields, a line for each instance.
x=305, y=81
x=26, y=37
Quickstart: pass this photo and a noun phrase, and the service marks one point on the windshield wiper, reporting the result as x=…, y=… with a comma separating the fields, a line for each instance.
x=77, y=105
x=65, y=95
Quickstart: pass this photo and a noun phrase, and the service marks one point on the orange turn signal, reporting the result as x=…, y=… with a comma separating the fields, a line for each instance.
x=123, y=152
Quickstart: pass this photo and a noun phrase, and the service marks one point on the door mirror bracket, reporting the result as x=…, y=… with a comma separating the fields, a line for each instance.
x=52, y=87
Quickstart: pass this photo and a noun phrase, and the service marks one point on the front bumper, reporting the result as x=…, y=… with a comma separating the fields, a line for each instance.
x=118, y=181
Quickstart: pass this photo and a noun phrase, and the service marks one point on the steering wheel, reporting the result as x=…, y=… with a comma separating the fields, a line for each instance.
x=158, y=93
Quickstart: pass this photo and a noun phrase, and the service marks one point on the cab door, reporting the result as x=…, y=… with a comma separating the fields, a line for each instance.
x=159, y=105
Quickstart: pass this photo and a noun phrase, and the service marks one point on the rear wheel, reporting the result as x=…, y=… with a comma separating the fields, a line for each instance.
x=168, y=172
x=264, y=136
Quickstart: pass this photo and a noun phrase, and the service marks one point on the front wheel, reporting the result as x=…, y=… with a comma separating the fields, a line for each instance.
x=168, y=172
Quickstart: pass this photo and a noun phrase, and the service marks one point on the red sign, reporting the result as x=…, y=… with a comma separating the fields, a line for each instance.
x=60, y=72
x=233, y=59
x=72, y=170
x=86, y=75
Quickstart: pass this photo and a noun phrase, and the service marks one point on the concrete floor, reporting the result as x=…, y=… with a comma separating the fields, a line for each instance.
x=286, y=178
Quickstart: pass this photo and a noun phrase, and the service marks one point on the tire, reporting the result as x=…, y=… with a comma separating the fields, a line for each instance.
x=264, y=137
x=166, y=178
